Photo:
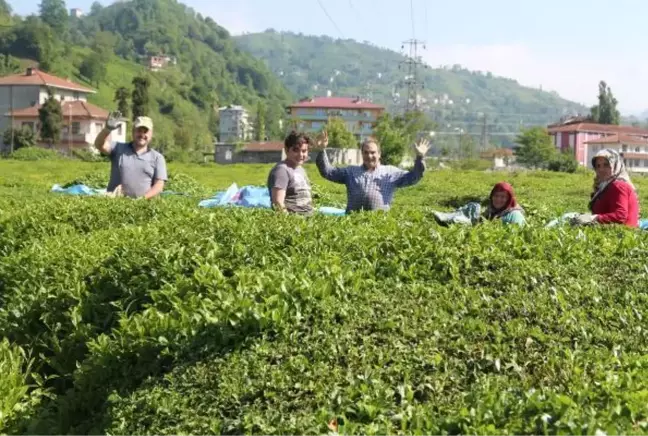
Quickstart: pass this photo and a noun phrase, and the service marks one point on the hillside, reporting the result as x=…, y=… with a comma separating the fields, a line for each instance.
x=110, y=46
x=312, y=65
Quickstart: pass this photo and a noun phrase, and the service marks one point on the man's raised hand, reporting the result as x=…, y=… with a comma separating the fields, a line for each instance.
x=322, y=140
x=113, y=120
x=421, y=147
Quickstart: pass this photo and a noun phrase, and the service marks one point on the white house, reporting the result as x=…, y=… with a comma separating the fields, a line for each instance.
x=22, y=95
x=634, y=150
x=234, y=125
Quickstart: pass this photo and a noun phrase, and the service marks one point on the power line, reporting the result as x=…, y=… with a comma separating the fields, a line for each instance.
x=412, y=17
x=355, y=11
x=425, y=15
x=329, y=17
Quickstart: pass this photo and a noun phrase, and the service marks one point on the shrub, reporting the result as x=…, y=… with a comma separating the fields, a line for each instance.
x=36, y=153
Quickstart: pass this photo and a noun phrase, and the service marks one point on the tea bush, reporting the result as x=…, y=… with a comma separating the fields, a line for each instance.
x=141, y=317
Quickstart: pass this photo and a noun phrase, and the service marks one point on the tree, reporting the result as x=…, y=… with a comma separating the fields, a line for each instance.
x=9, y=65
x=121, y=98
x=54, y=14
x=260, y=122
x=51, y=120
x=390, y=138
x=395, y=135
x=5, y=13
x=564, y=162
x=339, y=136
x=140, y=97
x=94, y=68
x=536, y=149
x=605, y=112
x=23, y=137
x=104, y=43
x=95, y=8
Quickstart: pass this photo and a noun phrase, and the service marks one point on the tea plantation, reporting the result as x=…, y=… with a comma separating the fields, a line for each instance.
x=157, y=317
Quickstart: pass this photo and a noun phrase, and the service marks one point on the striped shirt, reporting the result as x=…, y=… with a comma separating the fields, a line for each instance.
x=369, y=190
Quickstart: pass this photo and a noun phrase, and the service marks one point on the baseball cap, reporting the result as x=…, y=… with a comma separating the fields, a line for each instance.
x=143, y=122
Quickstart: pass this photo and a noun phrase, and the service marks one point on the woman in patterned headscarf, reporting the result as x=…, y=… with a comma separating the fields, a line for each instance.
x=614, y=200
x=503, y=205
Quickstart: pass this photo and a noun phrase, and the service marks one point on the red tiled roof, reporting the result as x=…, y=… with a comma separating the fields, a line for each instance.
x=264, y=146
x=40, y=78
x=335, y=103
x=620, y=138
x=74, y=109
x=598, y=128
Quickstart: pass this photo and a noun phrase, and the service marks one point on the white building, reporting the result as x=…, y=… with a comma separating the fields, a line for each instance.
x=76, y=12
x=234, y=124
x=22, y=95
x=634, y=150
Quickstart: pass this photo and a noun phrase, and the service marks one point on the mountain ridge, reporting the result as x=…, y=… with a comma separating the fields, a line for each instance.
x=455, y=97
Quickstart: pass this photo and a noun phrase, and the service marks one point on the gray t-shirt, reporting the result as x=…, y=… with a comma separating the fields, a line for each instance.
x=296, y=184
x=135, y=172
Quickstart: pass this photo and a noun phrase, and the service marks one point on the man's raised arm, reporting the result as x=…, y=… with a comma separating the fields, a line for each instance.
x=326, y=170
x=102, y=142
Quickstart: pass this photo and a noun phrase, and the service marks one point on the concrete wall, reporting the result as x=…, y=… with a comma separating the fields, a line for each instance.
x=227, y=154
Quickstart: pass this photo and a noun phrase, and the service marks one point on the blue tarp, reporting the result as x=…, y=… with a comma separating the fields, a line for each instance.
x=253, y=196
x=77, y=190
x=81, y=189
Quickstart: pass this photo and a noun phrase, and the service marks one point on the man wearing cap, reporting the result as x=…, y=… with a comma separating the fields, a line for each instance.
x=139, y=170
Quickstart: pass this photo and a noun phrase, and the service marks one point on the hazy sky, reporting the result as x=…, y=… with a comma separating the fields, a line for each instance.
x=566, y=46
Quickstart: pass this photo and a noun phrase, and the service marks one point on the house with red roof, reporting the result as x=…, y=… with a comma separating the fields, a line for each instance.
x=23, y=94
x=359, y=116
x=587, y=138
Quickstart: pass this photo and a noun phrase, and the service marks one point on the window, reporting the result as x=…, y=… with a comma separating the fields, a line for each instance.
x=99, y=126
x=228, y=155
x=76, y=128
x=638, y=150
x=119, y=129
x=635, y=163
x=76, y=95
x=624, y=148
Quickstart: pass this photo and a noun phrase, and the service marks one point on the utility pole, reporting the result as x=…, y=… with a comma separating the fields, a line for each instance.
x=11, y=109
x=412, y=81
x=484, y=135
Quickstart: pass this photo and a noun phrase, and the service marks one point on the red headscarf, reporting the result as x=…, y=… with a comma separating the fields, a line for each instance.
x=511, y=205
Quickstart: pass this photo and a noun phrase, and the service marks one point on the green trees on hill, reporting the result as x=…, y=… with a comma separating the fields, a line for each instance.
x=111, y=46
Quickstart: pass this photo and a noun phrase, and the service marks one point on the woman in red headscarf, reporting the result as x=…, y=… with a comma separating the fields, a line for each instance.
x=503, y=205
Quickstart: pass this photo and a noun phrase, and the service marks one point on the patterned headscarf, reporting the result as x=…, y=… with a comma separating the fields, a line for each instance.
x=512, y=204
x=619, y=172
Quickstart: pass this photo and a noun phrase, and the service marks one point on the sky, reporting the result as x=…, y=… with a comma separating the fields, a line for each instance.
x=562, y=46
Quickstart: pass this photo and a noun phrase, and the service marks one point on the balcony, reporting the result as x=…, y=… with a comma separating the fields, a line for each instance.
x=324, y=117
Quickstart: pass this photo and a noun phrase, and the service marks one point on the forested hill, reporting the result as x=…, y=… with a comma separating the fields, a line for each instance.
x=109, y=46
x=455, y=97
